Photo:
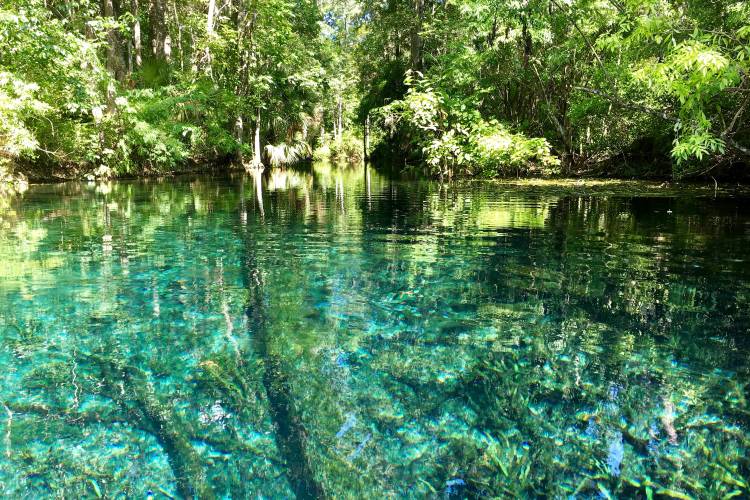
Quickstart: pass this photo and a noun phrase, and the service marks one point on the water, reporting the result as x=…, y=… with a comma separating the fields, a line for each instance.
x=336, y=334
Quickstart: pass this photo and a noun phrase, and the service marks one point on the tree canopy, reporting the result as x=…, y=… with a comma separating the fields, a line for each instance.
x=475, y=87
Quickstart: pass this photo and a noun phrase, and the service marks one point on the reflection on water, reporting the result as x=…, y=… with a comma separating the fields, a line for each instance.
x=333, y=333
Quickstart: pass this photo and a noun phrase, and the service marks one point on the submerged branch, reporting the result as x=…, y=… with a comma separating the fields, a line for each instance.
x=65, y=414
x=291, y=436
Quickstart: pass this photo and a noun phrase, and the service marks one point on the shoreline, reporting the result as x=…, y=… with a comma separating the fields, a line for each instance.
x=572, y=185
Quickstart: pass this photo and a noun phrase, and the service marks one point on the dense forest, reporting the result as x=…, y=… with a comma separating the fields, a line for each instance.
x=489, y=88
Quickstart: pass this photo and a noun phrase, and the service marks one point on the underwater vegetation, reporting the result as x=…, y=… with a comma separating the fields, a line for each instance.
x=352, y=336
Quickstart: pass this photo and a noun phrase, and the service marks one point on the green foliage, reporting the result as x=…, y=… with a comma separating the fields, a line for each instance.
x=17, y=101
x=123, y=88
x=284, y=154
x=86, y=91
x=347, y=149
x=455, y=139
x=646, y=80
x=500, y=152
x=699, y=69
x=50, y=80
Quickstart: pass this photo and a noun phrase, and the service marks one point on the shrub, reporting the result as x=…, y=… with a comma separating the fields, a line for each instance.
x=347, y=148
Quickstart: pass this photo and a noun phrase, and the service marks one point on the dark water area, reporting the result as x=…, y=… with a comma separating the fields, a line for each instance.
x=334, y=333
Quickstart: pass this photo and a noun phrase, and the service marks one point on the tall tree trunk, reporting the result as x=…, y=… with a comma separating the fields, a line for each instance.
x=239, y=130
x=257, y=162
x=527, y=41
x=210, y=17
x=179, y=35
x=137, y=43
x=521, y=108
x=158, y=29
x=129, y=58
x=416, y=36
x=167, y=47
x=341, y=117
x=366, y=138
x=209, y=33
x=115, y=59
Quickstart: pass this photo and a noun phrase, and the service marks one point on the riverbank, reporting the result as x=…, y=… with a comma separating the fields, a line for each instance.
x=622, y=187
x=570, y=185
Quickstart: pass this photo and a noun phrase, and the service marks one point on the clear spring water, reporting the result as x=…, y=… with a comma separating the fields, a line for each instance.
x=336, y=334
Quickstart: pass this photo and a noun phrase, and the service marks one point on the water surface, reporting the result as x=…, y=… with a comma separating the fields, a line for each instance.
x=337, y=334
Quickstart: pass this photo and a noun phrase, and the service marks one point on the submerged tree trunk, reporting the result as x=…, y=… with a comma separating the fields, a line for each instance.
x=137, y=397
x=291, y=435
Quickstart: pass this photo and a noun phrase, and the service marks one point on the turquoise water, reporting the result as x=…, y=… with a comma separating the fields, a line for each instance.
x=336, y=334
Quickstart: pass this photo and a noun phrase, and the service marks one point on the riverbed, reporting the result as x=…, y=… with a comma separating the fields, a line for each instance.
x=335, y=333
